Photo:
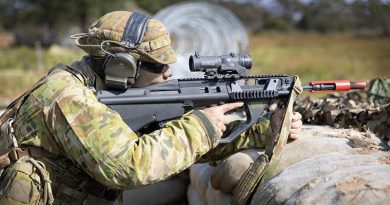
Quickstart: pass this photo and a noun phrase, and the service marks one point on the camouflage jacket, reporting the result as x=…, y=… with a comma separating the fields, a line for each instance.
x=64, y=117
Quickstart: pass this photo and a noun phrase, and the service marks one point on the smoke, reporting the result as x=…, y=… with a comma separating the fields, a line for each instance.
x=206, y=28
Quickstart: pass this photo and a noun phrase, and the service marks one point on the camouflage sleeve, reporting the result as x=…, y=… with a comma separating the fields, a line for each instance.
x=256, y=137
x=96, y=138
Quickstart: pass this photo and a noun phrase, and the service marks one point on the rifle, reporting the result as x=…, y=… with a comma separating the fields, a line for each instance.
x=225, y=80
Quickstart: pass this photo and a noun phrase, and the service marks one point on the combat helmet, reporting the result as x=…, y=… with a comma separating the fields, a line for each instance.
x=154, y=48
x=124, y=41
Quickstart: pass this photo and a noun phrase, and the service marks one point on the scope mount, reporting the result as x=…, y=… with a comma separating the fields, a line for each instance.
x=218, y=73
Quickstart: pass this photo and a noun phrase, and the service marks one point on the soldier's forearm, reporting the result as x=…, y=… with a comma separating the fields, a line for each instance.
x=168, y=151
x=256, y=137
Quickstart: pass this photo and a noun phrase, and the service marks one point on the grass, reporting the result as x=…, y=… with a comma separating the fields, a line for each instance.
x=19, y=69
x=25, y=58
x=321, y=57
x=311, y=56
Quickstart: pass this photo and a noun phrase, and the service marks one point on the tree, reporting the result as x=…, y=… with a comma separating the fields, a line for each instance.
x=327, y=16
x=381, y=13
x=153, y=6
x=41, y=20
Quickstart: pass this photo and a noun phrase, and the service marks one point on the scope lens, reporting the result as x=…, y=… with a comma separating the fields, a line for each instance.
x=245, y=61
x=191, y=63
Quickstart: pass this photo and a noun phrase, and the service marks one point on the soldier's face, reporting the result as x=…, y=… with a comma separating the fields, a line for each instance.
x=148, y=78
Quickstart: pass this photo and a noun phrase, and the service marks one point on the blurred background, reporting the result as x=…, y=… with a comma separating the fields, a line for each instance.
x=315, y=39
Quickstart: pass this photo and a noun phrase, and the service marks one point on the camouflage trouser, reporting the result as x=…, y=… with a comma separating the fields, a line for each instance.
x=20, y=184
x=23, y=183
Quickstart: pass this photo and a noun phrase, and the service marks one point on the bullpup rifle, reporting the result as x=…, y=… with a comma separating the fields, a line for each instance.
x=225, y=80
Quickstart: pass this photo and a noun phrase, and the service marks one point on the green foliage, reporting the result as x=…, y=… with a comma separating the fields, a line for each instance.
x=41, y=20
x=46, y=21
x=153, y=6
x=327, y=16
x=252, y=17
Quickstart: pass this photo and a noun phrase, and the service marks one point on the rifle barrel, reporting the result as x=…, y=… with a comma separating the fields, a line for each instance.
x=334, y=85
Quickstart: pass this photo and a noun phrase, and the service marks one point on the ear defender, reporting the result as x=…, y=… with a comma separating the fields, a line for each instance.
x=121, y=69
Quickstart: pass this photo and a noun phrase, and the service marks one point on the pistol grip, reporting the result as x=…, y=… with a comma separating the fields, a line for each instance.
x=253, y=111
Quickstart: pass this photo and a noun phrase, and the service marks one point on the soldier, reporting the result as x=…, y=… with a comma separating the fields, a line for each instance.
x=67, y=148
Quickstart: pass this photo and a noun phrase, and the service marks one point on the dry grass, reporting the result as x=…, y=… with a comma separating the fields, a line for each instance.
x=15, y=81
x=315, y=57
x=19, y=69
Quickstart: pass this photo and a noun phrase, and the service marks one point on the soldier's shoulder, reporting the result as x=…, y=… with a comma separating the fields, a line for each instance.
x=62, y=74
x=61, y=84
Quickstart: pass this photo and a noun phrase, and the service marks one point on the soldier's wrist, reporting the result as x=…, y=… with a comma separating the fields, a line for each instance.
x=209, y=128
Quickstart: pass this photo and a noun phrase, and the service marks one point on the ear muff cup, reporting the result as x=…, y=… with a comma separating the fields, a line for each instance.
x=121, y=69
x=122, y=72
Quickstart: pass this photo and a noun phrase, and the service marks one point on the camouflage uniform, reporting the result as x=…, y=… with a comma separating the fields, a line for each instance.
x=92, y=153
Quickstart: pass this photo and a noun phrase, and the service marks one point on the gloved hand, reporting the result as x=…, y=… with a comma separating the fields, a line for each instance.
x=296, y=124
x=229, y=171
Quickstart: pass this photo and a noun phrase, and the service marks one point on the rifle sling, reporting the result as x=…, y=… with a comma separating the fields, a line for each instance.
x=264, y=167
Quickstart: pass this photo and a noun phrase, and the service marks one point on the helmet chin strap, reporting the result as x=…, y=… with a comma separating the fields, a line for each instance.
x=97, y=65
